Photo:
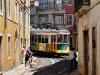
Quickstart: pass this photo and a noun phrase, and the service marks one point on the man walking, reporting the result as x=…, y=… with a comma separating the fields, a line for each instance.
x=72, y=58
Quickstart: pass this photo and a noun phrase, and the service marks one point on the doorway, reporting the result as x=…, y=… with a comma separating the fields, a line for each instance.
x=16, y=49
x=86, y=51
x=71, y=42
x=94, y=35
x=0, y=53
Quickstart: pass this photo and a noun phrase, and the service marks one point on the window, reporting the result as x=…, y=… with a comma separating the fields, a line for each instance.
x=70, y=2
x=8, y=8
x=69, y=19
x=59, y=38
x=9, y=47
x=16, y=11
x=28, y=20
x=21, y=16
x=0, y=5
x=25, y=19
x=53, y=38
x=32, y=19
x=64, y=39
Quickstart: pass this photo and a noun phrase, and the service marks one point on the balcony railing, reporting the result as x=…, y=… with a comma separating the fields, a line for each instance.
x=81, y=6
x=51, y=6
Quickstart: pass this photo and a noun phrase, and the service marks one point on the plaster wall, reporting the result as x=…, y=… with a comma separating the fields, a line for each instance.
x=86, y=22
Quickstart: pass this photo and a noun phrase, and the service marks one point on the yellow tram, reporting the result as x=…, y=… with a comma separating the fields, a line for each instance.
x=49, y=41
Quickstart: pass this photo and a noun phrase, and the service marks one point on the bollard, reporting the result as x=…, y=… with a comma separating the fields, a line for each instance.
x=37, y=61
x=33, y=65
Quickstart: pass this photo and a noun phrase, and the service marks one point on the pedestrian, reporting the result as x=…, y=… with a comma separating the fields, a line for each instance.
x=27, y=56
x=72, y=58
x=23, y=53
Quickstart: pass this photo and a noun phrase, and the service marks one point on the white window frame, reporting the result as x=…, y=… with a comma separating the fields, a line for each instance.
x=9, y=51
x=16, y=11
x=1, y=7
x=69, y=20
x=9, y=9
x=68, y=1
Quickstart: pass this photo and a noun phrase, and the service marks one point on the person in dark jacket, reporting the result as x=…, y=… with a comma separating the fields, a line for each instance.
x=28, y=53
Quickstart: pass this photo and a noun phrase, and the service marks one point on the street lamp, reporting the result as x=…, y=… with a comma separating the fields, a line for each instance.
x=32, y=3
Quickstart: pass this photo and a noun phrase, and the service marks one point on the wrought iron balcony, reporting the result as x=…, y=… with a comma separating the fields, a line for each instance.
x=51, y=6
x=81, y=7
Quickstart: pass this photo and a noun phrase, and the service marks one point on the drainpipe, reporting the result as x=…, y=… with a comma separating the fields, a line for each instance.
x=5, y=15
x=24, y=43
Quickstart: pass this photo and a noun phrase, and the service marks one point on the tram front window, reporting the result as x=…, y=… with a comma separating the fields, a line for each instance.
x=39, y=38
x=43, y=41
x=46, y=39
x=64, y=38
x=35, y=38
x=59, y=38
x=53, y=38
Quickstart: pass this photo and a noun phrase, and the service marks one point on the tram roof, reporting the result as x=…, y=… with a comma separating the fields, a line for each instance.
x=48, y=31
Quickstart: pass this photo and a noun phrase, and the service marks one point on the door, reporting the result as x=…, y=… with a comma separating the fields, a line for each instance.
x=86, y=51
x=94, y=51
x=71, y=42
x=0, y=53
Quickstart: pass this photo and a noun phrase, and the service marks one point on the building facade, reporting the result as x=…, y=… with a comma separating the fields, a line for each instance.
x=11, y=32
x=88, y=36
x=71, y=23
x=49, y=12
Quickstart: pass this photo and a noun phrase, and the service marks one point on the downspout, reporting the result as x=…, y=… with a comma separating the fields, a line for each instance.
x=5, y=15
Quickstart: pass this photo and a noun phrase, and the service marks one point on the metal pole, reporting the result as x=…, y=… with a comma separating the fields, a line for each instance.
x=24, y=43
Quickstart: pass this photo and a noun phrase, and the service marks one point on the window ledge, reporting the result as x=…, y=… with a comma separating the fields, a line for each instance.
x=9, y=58
x=9, y=18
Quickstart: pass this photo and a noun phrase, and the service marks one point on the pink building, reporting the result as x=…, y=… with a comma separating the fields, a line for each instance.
x=70, y=22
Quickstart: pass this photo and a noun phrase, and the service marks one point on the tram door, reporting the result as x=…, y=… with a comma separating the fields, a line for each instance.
x=86, y=52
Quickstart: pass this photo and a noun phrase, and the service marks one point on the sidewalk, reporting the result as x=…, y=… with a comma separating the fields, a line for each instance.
x=19, y=70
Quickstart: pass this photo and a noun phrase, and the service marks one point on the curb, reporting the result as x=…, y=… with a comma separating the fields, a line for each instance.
x=25, y=70
x=75, y=73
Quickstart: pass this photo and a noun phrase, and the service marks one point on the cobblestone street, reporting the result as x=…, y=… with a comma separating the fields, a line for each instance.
x=60, y=68
x=44, y=66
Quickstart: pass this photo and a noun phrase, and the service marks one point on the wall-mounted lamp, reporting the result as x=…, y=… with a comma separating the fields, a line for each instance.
x=34, y=3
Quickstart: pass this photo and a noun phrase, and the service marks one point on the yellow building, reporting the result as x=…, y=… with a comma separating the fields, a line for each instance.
x=12, y=23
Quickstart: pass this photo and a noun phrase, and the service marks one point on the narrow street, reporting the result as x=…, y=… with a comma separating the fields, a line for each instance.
x=49, y=66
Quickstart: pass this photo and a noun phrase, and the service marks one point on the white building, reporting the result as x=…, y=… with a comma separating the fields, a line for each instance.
x=88, y=36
